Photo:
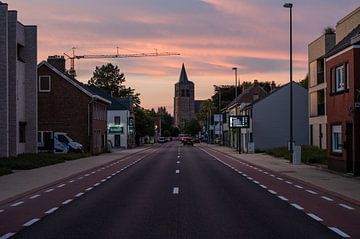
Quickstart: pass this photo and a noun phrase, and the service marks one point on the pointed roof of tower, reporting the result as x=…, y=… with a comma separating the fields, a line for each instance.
x=183, y=76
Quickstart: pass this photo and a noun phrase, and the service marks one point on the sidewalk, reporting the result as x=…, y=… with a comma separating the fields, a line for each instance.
x=23, y=181
x=340, y=185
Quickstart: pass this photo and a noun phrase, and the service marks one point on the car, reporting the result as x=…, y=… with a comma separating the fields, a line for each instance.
x=188, y=141
x=162, y=140
x=196, y=140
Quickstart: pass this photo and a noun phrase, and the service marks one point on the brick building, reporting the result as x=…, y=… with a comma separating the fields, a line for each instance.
x=18, y=88
x=343, y=99
x=65, y=105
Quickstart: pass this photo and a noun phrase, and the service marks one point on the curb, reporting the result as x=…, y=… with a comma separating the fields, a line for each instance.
x=324, y=190
x=31, y=191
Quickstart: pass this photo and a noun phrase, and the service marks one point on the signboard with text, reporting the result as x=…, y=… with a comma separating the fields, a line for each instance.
x=239, y=121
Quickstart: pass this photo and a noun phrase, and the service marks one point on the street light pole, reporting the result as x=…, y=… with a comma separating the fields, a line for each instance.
x=291, y=151
x=235, y=69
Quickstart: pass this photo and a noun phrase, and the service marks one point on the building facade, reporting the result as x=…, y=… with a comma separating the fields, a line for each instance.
x=269, y=119
x=317, y=89
x=184, y=100
x=18, y=91
x=343, y=105
x=65, y=105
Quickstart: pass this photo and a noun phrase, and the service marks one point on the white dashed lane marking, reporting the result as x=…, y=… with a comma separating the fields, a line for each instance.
x=49, y=190
x=51, y=210
x=88, y=189
x=327, y=198
x=175, y=190
x=17, y=204
x=177, y=171
x=313, y=216
x=297, y=206
x=1, y=210
x=178, y=162
x=32, y=221
x=7, y=235
x=272, y=191
x=61, y=185
x=283, y=198
x=310, y=191
x=346, y=206
x=79, y=195
x=339, y=232
x=66, y=202
x=298, y=186
x=35, y=196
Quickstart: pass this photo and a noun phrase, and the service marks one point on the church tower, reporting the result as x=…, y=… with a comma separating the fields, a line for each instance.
x=184, y=102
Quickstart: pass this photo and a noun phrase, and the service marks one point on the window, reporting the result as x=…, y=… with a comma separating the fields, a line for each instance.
x=63, y=139
x=44, y=84
x=182, y=92
x=20, y=52
x=336, y=144
x=117, y=120
x=188, y=93
x=339, y=79
x=22, y=135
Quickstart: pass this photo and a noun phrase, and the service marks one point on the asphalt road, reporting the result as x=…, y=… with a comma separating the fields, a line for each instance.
x=175, y=192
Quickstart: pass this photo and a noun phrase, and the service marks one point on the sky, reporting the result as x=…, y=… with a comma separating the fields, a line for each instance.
x=212, y=36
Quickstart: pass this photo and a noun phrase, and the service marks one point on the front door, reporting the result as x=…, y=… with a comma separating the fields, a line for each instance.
x=117, y=140
x=349, y=148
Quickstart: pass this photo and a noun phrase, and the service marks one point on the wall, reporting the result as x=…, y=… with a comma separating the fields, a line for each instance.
x=347, y=24
x=271, y=127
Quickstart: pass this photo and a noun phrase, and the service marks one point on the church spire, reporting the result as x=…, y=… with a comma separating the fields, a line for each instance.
x=183, y=76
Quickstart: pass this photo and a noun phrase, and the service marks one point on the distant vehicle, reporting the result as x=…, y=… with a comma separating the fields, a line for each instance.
x=162, y=140
x=182, y=137
x=188, y=141
x=196, y=140
x=64, y=144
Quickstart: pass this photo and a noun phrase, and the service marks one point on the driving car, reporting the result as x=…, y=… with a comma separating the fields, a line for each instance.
x=188, y=141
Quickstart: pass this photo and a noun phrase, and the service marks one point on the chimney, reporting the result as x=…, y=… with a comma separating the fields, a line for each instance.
x=58, y=62
x=273, y=86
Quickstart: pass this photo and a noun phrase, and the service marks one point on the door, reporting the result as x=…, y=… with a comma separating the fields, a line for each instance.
x=117, y=140
x=349, y=148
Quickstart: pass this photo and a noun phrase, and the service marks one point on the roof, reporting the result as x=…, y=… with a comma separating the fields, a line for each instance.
x=271, y=93
x=346, y=42
x=116, y=103
x=183, y=76
x=242, y=97
x=74, y=82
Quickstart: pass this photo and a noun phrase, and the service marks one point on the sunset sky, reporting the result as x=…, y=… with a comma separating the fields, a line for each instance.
x=212, y=36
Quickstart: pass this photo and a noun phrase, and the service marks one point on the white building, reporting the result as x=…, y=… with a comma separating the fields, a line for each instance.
x=18, y=85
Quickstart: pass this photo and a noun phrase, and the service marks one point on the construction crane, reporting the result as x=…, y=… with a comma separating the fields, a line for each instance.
x=72, y=57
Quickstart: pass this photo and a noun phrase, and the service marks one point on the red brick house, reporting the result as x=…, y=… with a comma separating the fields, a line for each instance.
x=65, y=105
x=343, y=99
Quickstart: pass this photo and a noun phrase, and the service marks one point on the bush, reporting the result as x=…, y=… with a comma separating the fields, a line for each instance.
x=309, y=154
x=4, y=171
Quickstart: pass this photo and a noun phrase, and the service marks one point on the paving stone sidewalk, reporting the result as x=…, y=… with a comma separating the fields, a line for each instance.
x=342, y=185
x=23, y=181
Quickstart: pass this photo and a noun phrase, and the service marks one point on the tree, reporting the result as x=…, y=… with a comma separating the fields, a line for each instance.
x=192, y=127
x=329, y=30
x=144, y=123
x=166, y=119
x=203, y=114
x=109, y=78
x=305, y=82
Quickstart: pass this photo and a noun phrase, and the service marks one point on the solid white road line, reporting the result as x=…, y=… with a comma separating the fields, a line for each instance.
x=61, y=185
x=17, y=204
x=315, y=217
x=327, y=198
x=175, y=190
x=339, y=232
x=35, y=196
x=298, y=186
x=49, y=190
x=66, y=202
x=79, y=195
x=283, y=198
x=272, y=191
x=310, y=191
x=297, y=206
x=32, y=221
x=51, y=210
x=346, y=206
x=7, y=235
x=177, y=171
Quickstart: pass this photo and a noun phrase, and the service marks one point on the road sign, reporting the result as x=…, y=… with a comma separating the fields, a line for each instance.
x=239, y=121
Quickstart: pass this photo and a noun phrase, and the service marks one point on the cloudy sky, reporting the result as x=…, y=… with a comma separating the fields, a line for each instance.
x=212, y=36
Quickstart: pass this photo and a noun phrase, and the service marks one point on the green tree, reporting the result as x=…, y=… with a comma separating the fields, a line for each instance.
x=305, y=82
x=109, y=78
x=192, y=127
x=144, y=123
x=166, y=119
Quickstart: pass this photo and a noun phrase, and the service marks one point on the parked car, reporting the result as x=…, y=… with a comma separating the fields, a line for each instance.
x=188, y=141
x=162, y=140
x=64, y=144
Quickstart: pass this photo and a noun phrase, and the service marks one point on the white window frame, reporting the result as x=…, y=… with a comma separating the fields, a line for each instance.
x=347, y=76
x=336, y=139
x=49, y=77
x=339, y=78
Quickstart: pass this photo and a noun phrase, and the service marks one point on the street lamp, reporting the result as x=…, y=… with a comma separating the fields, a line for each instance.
x=235, y=69
x=291, y=151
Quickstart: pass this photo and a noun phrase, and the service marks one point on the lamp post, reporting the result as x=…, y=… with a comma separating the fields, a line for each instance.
x=239, y=130
x=235, y=69
x=291, y=151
